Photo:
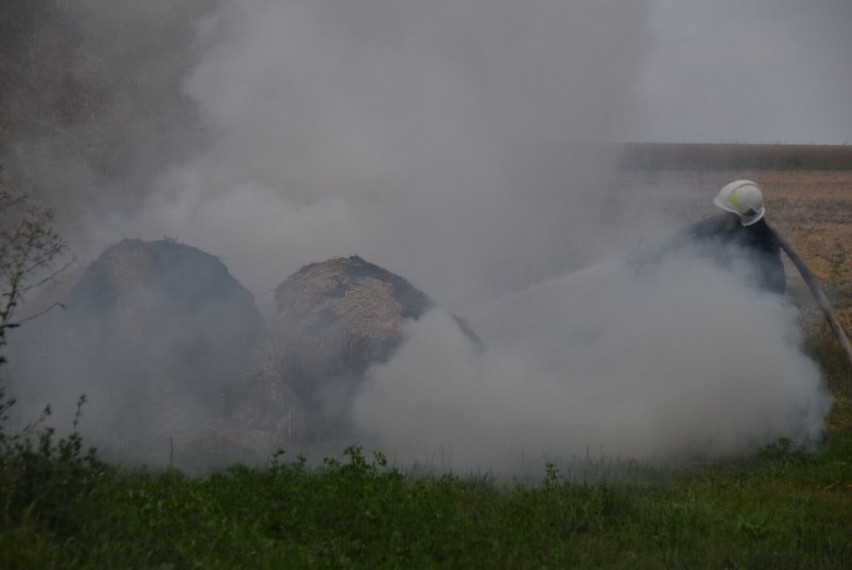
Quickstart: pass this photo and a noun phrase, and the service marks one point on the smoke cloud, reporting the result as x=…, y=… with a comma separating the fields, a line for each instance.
x=414, y=135
x=678, y=363
x=455, y=143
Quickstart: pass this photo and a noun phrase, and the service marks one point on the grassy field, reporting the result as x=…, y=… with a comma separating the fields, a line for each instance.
x=784, y=508
x=63, y=507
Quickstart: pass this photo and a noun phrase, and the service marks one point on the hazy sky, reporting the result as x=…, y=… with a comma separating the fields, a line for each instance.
x=747, y=71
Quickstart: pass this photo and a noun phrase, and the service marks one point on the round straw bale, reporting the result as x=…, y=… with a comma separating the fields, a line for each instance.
x=167, y=331
x=334, y=320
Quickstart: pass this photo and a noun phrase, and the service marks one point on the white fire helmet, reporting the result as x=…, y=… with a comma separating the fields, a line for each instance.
x=743, y=198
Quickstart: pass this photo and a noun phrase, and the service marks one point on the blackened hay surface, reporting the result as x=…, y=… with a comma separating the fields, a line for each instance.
x=167, y=346
x=172, y=301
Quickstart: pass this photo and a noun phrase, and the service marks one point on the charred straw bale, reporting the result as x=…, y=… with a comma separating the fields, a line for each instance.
x=334, y=320
x=147, y=289
x=175, y=338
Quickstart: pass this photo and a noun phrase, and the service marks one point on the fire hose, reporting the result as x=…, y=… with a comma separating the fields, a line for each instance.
x=821, y=300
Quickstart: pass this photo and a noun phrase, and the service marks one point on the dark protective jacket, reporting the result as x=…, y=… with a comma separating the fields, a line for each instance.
x=756, y=244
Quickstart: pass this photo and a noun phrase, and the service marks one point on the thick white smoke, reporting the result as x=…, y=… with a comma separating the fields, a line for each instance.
x=431, y=138
x=677, y=362
x=438, y=139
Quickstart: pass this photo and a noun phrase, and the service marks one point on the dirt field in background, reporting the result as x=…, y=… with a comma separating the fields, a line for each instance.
x=812, y=208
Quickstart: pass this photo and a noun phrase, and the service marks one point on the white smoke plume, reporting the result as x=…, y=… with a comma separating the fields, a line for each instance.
x=679, y=362
x=428, y=137
x=439, y=140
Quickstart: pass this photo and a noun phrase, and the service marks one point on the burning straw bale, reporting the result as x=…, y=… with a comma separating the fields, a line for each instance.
x=165, y=338
x=334, y=320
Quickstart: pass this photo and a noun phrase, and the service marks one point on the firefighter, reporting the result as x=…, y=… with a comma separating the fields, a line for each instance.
x=741, y=233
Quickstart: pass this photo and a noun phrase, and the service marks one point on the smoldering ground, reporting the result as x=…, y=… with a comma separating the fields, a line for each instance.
x=435, y=139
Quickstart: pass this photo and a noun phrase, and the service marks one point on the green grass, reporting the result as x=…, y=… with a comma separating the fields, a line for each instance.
x=785, y=507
